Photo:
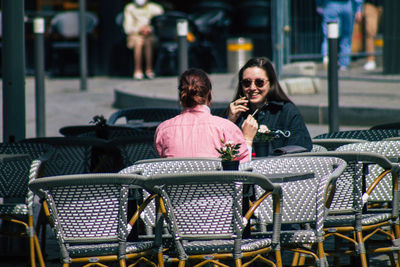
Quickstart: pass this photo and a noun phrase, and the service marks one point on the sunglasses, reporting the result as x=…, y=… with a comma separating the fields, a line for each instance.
x=246, y=83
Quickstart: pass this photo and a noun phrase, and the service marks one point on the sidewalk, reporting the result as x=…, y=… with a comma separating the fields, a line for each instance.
x=365, y=99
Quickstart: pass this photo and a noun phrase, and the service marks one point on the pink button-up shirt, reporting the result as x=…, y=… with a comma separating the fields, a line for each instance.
x=197, y=133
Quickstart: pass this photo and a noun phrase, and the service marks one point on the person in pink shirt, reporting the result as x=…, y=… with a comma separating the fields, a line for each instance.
x=196, y=132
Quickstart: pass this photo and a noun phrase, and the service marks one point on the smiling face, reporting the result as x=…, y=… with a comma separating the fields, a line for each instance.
x=255, y=85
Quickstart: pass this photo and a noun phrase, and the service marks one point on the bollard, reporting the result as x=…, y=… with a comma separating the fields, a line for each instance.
x=182, y=30
x=333, y=95
x=83, y=45
x=38, y=30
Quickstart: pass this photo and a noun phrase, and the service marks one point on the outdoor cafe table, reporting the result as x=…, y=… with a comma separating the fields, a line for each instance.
x=105, y=131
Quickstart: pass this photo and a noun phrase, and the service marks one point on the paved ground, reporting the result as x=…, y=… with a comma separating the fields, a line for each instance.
x=67, y=105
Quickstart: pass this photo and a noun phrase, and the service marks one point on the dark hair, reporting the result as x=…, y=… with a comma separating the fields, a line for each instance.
x=275, y=93
x=194, y=88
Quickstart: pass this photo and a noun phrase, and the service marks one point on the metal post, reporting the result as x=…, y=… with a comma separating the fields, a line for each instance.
x=286, y=30
x=333, y=88
x=182, y=29
x=39, y=29
x=13, y=66
x=278, y=13
x=83, y=44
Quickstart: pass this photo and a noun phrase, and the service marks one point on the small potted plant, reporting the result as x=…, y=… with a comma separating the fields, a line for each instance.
x=229, y=153
x=261, y=141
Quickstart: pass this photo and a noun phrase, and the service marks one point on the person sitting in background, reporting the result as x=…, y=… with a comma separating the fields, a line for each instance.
x=372, y=12
x=140, y=36
x=260, y=94
x=197, y=133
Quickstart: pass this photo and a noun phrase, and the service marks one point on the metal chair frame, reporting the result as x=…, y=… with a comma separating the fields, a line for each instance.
x=24, y=167
x=88, y=214
x=150, y=167
x=203, y=211
x=349, y=219
x=309, y=208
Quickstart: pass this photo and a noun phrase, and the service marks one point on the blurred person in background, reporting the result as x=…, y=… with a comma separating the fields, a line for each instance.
x=140, y=36
x=372, y=11
x=344, y=12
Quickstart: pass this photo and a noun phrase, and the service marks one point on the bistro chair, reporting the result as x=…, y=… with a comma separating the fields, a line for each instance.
x=88, y=214
x=150, y=167
x=318, y=148
x=332, y=143
x=349, y=217
x=19, y=164
x=306, y=201
x=73, y=155
x=64, y=38
x=380, y=180
x=203, y=211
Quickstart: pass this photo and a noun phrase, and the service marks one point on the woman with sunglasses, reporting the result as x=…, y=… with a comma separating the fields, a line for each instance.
x=260, y=95
x=196, y=132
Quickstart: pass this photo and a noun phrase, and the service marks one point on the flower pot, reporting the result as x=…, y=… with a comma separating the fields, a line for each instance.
x=262, y=149
x=228, y=165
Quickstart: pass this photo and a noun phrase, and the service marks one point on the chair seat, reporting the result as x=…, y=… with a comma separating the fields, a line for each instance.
x=13, y=209
x=225, y=246
x=289, y=237
x=349, y=220
x=107, y=249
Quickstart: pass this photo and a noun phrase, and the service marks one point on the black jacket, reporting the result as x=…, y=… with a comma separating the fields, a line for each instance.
x=285, y=117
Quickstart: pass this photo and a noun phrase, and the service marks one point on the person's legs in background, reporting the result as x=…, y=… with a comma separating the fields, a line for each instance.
x=345, y=34
x=371, y=16
x=137, y=56
x=148, y=49
x=330, y=13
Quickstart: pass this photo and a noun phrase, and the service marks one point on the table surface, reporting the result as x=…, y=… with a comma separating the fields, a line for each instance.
x=11, y=157
x=74, y=130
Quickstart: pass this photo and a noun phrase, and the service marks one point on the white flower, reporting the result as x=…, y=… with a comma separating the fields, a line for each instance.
x=229, y=143
x=263, y=129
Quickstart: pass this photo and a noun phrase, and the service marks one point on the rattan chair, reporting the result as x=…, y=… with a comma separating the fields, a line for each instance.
x=349, y=221
x=318, y=148
x=88, y=214
x=157, y=166
x=203, y=211
x=332, y=143
x=305, y=201
x=381, y=188
x=76, y=155
x=19, y=164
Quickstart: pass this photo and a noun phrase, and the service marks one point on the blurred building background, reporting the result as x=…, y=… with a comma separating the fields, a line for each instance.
x=211, y=22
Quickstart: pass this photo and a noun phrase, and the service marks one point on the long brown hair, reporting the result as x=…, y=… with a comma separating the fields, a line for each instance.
x=194, y=88
x=275, y=93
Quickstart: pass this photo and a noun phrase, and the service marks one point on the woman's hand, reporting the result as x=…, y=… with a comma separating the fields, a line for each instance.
x=249, y=129
x=236, y=108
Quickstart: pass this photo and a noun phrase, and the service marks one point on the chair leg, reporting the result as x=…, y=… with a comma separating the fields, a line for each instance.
x=363, y=256
x=34, y=246
x=41, y=228
x=295, y=259
x=38, y=251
